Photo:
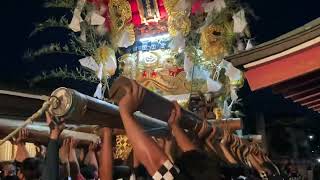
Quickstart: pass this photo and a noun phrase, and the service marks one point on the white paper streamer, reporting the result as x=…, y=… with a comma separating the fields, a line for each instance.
x=96, y=19
x=90, y=63
x=178, y=43
x=233, y=94
x=233, y=73
x=240, y=45
x=100, y=71
x=187, y=65
x=182, y=5
x=239, y=21
x=98, y=93
x=76, y=19
x=216, y=5
x=110, y=65
x=249, y=45
x=226, y=110
x=124, y=40
x=213, y=86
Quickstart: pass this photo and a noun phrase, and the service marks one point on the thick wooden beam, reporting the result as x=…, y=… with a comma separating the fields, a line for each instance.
x=284, y=68
x=308, y=97
x=298, y=84
x=311, y=103
x=302, y=91
x=314, y=106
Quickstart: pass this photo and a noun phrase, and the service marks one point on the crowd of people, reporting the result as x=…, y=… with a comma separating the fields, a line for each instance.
x=151, y=158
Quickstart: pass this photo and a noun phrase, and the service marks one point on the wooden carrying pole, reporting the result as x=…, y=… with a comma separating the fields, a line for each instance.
x=39, y=132
x=230, y=147
x=153, y=104
x=77, y=108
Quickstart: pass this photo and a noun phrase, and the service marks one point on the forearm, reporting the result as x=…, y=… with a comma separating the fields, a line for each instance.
x=105, y=160
x=182, y=139
x=52, y=161
x=22, y=152
x=146, y=149
x=74, y=165
x=91, y=159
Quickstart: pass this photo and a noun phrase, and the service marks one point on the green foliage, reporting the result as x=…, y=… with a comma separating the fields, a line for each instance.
x=53, y=48
x=50, y=23
x=64, y=73
x=59, y=4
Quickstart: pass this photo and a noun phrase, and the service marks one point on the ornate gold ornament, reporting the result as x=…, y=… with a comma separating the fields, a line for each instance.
x=120, y=13
x=123, y=147
x=179, y=22
x=211, y=41
x=169, y=5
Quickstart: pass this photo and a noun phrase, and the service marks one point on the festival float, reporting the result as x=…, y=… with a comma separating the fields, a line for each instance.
x=175, y=49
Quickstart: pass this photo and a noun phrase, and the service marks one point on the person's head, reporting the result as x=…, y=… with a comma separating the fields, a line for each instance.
x=9, y=170
x=14, y=177
x=89, y=172
x=31, y=169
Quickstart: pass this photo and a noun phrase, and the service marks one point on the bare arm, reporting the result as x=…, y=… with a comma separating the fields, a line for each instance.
x=22, y=152
x=73, y=161
x=90, y=158
x=146, y=149
x=105, y=159
x=182, y=139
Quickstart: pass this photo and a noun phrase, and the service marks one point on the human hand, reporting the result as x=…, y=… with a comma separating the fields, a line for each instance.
x=92, y=147
x=133, y=98
x=56, y=129
x=175, y=115
x=22, y=136
x=64, y=151
x=72, y=150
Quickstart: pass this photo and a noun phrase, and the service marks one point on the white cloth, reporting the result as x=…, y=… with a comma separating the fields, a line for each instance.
x=76, y=19
x=178, y=43
x=183, y=5
x=249, y=45
x=239, y=21
x=90, y=63
x=124, y=40
x=216, y=5
x=213, y=86
x=96, y=19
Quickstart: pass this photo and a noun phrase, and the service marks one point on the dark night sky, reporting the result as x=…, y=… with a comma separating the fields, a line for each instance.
x=273, y=18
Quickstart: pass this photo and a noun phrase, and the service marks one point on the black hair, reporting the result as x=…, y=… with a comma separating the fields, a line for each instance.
x=88, y=171
x=197, y=165
x=31, y=168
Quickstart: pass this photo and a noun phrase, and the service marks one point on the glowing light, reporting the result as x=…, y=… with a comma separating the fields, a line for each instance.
x=318, y=160
x=310, y=137
x=155, y=38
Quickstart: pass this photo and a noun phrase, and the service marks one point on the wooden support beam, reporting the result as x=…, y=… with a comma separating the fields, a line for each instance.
x=314, y=106
x=298, y=84
x=307, y=98
x=311, y=103
x=302, y=91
